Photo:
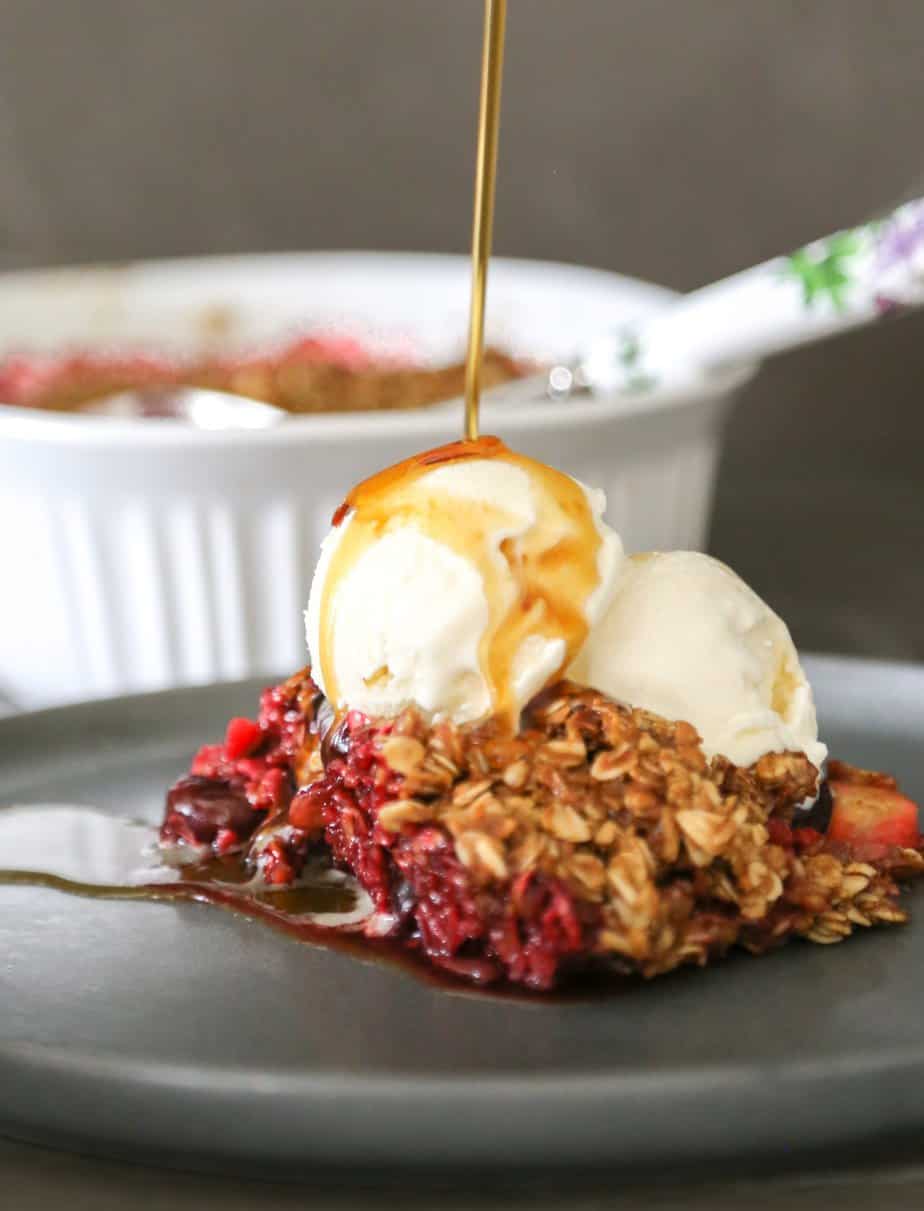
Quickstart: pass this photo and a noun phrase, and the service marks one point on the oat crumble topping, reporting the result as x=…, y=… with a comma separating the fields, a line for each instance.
x=672, y=850
x=596, y=836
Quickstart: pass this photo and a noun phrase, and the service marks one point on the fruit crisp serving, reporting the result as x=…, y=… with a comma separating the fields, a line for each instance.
x=310, y=374
x=538, y=755
x=597, y=836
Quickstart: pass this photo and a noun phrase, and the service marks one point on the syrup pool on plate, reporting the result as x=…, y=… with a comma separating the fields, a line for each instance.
x=87, y=852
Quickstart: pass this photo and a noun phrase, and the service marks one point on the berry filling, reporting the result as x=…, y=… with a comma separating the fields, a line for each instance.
x=308, y=374
x=415, y=877
x=596, y=837
x=208, y=812
x=234, y=787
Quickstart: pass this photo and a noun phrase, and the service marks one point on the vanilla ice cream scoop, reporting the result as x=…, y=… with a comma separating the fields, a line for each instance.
x=462, y=581
x=686, y=638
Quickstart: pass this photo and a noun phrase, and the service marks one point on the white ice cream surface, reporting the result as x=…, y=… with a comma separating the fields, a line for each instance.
x=391, y=648
x=677, y=633
x=686, y=638
x=410, y=614
x=611, y=557
x=491, y=480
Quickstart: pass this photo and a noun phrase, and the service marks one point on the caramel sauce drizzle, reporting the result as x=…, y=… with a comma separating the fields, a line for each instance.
x=553, y=566
x=492, y=69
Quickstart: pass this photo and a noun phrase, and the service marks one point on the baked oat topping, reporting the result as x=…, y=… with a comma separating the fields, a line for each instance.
x=308, y=375
x=623, y=809
x=596, y=835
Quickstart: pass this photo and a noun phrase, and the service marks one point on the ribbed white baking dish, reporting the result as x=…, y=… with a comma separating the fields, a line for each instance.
x=144, y=554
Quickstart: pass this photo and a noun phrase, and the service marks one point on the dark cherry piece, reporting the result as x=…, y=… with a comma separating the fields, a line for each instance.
x=208, y=811
x=819, y=815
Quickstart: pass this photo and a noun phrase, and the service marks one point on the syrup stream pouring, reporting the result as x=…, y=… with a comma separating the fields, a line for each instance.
x=492, y=66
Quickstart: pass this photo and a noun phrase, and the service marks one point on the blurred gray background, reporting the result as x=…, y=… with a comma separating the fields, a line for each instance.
x=677, y=140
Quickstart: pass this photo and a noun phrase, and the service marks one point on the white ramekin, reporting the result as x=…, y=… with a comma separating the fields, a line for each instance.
x=142, y=554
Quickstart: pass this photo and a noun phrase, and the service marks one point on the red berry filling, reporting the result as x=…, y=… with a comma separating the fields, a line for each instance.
x=233, y=787
x=241, y=738
x=68, y=378
x=208, y=811
x=525, y=932
x=652, y=857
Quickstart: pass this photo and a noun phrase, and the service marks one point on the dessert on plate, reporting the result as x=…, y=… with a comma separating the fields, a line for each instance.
x=540, y=756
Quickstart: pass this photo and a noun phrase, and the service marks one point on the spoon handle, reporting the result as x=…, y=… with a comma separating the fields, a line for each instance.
x=841, y=281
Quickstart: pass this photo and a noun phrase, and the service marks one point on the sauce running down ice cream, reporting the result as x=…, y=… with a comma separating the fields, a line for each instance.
x=465, y=580
x=461, y=581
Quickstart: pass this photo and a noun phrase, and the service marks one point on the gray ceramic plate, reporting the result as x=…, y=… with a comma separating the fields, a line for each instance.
x=182, y=1033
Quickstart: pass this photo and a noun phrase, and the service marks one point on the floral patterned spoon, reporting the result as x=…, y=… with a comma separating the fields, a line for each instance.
x=842, y=281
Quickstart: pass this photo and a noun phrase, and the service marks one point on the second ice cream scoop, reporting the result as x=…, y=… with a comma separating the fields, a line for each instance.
x=686, y=638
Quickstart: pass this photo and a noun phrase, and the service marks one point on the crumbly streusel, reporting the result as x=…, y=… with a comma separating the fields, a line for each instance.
x=597, y=835
x=672, y=851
